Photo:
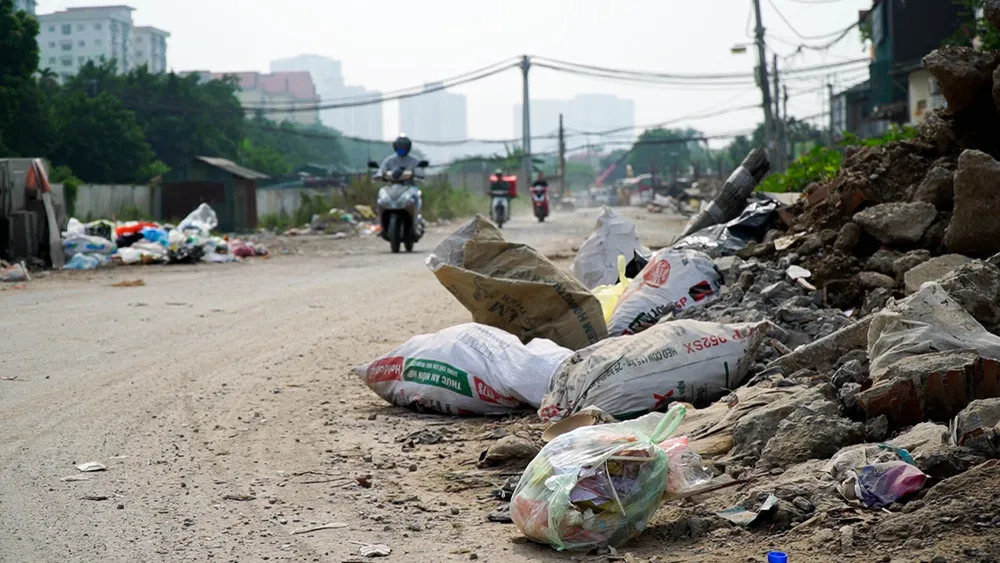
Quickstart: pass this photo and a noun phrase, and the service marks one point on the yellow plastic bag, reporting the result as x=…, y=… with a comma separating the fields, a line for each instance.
x=609, y=295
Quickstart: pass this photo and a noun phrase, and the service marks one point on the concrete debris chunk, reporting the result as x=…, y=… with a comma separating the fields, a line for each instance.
x=812, y=431
x=963, y=74
x=974, y=230
x=897, y=222
x=931, y=270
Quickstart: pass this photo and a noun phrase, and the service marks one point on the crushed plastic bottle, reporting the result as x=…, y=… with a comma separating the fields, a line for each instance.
x=83, y=262
x=777, y=557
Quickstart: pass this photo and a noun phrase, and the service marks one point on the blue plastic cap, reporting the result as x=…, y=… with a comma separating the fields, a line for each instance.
x=777, y=557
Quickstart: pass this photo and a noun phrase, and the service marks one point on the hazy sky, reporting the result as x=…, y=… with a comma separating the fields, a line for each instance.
x=394, y=44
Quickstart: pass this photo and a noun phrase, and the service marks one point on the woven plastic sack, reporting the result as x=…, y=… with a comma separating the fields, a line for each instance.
x=597, y=485
x=468, y=369
x=672, y=281
x=613, y=236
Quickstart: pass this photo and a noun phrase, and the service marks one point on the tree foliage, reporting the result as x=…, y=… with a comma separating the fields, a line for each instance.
x=973, y=27
x=667, y=151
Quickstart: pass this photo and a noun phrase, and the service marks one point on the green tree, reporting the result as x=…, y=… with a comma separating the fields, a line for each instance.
x=973, y=27
x=263, y=159
x=101, y=141
x=667, y=151
x=18, y=63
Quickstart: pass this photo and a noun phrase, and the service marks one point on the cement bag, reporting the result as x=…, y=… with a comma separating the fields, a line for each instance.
x=674, y=280
x=927, y=321
x=514, y=288
x=467, y=369
x=86, y=244
x=690, y=361
x=596, y=262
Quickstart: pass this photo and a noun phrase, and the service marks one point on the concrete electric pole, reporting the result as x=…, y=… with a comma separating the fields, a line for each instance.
x=526, y=127
x=562, y=158
x=765, y=88
x=829, y=90
x=786, y=147
x=779, y=124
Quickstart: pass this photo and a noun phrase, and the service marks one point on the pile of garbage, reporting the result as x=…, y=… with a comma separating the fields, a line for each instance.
x=340, y=223
x=836, y=357
x=100, y=243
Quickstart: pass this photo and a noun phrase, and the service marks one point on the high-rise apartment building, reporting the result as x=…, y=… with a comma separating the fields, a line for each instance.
x=436, y=115
x=26, y=5
x=327, y=74
x=149, y=47
x=585, y=112
x=281, y=96
x=67, y=40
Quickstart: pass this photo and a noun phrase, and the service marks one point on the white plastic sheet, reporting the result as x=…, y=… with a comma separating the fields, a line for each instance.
x=202, y=219
x=597, y=261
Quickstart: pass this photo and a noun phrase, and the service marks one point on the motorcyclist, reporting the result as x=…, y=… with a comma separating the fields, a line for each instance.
x=540, y=181
x=499, y=186
x=401, y=158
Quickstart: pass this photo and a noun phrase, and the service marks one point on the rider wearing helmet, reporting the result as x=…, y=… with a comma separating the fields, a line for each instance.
x=499, y=186
x=400, y=158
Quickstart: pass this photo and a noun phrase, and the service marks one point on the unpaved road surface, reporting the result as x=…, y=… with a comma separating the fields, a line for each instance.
x=220, y=399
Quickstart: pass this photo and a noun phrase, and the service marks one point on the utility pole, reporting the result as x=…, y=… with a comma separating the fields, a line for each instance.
x=829, y=90
x=526, y=128
x=787, y=146
x=562, y=159
x=765, y=88
x=779, y=124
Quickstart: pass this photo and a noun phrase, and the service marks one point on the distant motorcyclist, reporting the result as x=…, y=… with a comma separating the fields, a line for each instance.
x=400, y=158
x=540, y=182
x=498, y=186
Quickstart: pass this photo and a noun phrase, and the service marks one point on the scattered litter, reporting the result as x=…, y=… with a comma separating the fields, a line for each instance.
x=14, y=273
x=877, y=475
x=239, y=497
x=130, y=283
x=94, y=497
x=373, y=550
x=91, y=466
x=332, y=526
x=74, y=478
x=744, y=517
x=797, y=272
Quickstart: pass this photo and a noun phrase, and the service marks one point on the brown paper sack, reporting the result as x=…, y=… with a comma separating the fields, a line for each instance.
x=514, y=288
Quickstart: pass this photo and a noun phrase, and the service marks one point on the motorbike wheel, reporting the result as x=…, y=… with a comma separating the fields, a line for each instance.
x=541, y=218
x=395, y=233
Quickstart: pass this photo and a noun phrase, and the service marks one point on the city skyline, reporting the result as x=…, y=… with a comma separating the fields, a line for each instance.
x=669, y=38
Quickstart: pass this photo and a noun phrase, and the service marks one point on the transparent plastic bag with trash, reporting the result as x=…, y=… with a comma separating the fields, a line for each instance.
x=203, y=219
x=599, y=485
x=82, y=261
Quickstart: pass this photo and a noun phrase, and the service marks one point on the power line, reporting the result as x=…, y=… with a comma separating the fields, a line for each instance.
x=795, y=31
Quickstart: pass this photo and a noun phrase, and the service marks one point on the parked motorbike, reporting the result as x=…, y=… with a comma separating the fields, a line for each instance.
x=398, y=207
x=540, y=202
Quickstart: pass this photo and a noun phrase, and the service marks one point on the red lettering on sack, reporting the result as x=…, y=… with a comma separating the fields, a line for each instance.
x=656, y=274
x=704, y=343
x=490, y=395
x=386, y=369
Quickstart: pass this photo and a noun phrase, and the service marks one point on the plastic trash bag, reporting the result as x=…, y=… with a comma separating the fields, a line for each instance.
x=82, y=261
x=627, y=376
x=597, y=485
x=596, y=262
x=156, y=235
x=672, y=281
x=468, y=369
x=203, y=219
x=726, y=240
x=86, y=244
x=74, y=227
x=14, y=273
x=876, y=475
x=609, y=295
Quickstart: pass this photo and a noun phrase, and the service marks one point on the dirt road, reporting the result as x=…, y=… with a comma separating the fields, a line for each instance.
x=220, y=400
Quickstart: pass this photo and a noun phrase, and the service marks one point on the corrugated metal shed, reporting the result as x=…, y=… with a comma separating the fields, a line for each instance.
x=233, y=168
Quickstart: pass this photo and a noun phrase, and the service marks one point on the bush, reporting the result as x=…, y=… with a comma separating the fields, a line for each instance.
x=822, y=164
